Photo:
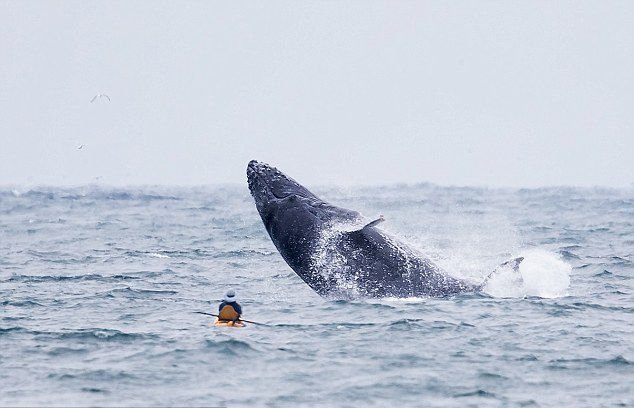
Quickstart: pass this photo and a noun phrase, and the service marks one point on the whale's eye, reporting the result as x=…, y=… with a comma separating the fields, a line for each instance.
x=280, y=195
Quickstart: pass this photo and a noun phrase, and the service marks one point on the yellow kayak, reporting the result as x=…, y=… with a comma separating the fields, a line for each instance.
x=226, y=323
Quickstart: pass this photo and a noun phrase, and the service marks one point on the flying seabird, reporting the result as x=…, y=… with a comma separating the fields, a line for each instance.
x=94, y=98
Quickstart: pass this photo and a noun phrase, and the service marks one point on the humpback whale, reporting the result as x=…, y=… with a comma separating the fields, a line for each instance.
x=336, y=251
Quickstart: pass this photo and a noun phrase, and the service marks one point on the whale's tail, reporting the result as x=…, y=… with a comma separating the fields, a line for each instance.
x=514, y=265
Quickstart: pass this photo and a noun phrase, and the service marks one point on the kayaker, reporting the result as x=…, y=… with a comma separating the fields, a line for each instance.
x=229, y=310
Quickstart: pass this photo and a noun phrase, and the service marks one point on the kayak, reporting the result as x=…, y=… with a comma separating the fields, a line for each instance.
x=224, y=323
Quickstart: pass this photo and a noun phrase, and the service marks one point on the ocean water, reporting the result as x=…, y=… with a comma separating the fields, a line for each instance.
x=99, y=289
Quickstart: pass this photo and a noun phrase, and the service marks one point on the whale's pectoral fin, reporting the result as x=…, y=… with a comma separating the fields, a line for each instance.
x=513, y=264
x=374, y=223
x=363, y=237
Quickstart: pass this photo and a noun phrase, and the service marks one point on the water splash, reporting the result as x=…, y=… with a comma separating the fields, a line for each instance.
x=541, y=274
x=331, y=264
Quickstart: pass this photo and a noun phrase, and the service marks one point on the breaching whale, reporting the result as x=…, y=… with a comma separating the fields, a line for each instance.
x=338, y=254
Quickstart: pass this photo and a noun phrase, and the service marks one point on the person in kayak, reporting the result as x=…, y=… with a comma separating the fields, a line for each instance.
x=229, y=310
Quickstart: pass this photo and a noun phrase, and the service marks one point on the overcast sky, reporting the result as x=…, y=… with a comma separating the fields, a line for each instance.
x=498, y=93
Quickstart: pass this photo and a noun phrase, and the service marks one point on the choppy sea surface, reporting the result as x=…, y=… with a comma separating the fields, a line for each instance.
x=98, y=289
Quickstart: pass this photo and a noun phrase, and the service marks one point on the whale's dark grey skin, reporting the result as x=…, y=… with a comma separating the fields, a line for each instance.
x=332, y=250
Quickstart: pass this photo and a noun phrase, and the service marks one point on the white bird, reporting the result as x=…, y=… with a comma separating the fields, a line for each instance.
x=94, y=98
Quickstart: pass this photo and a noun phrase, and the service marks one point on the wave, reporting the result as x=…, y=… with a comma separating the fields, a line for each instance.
x=8, y=330
x=101, y=376
x=231, y=347
x=64, y=278
x=476, y=393
x=567, y=255
x=157, y=255
x=108, y=335
x=588, y=305
x=89, y=193
x=132, y=292
x=595, y=362
x=242, y=253
x=330, y=325
x=63, y=351
x=20, y=303
x=98, y=334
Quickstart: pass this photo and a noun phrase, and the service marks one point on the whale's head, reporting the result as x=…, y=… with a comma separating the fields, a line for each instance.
x=284, y=204
x=272, y=189
x=295, y=219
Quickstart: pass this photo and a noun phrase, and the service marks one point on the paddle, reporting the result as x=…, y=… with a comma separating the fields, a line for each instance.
x=247, y=321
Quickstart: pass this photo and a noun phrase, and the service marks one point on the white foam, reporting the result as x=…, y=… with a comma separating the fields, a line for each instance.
x=156, y=255
x=406, y=300
x=541, y=274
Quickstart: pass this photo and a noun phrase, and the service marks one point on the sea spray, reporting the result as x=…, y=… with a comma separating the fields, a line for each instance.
x=541, y=274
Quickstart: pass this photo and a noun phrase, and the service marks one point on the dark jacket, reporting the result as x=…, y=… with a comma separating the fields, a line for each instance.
x=235, y=306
